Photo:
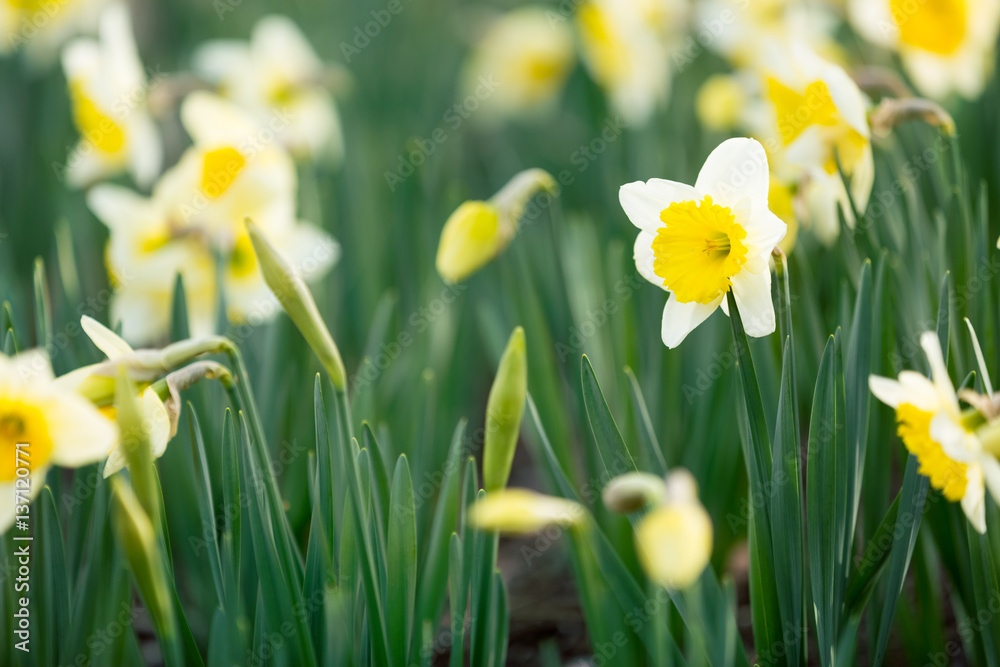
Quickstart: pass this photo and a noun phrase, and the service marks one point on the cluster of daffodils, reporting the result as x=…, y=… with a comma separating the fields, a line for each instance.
x=259, y=105
x=40, y=28
x=699, y=243
x=71, y=420
x=957, y=448
x=625, y=46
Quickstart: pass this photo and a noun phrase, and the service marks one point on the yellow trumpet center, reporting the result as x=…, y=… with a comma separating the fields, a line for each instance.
x=243, y=261
x=22, y=423
x=97, y=127
x=945, y=474
x=220, y=169
x=796, y=111
x=697, y=251
x=938, y=26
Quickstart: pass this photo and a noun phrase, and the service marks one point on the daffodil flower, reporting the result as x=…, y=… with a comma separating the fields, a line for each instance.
x=674, y=538
x=626, y=55
x=197, y=213
x=108, y=90
x=816, y=120
x=934, y=429
x=157, y=421
x=701, y=242
x=277, y=74
x=59, y=427
x=39, y=27
x=531, y=58
x=946, y=45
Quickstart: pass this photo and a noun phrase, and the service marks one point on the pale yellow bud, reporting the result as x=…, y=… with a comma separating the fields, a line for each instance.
x=521, y=511
x=720, y=102
x=674, y=541
x=478, y=231
x=298, y=303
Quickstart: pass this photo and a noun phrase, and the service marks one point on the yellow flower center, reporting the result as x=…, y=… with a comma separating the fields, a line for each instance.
x=243, y=261
x=221, y=167
x=698, y=250
x=22, y=423
x=608, y=55
x=98, y=128
x=937, y=26
x=796, y=111
x=946, y=474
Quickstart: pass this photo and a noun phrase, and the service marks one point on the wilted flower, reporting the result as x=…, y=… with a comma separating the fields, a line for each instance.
x=521, y=511
x=530, y=56
x=478, y=231
x=108, y=90
x=943, y=438
x=58, y=426
x=699, y=242
x=946, y=45
x=279, y=78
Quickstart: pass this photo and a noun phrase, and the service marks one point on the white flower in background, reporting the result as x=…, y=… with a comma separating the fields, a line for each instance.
x=277, y=75
x=529, y=55
x=816, y=116
x=739, y=29
x=108, y=90
x=156, y=419
x=933, y=428
x=946, y=45
x=627, y=53
x=197, y=213
x=701, y=242
x=59, y=426
x=40, y=27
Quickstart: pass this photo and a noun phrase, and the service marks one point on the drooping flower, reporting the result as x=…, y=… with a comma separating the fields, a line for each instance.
x=108, y=90
x=522, y=511
x=156, y=419
x=942, y=437
x=674, y=538
x=946, y=45
x=478, y=231
x=278, y=77
x=701, y=242
x=529, y=55
x=59, y=427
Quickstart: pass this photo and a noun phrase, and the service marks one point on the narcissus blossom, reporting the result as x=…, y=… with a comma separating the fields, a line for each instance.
x=522, y=511
x=700, y=242
x=59, y=427
x=277, y=75
x=39, y=28
x=946, y=45
x=942, y=437
x=108, y=90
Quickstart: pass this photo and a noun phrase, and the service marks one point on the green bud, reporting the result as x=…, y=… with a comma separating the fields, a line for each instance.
x=298, y=302
x=504, y=410
x=634, y=491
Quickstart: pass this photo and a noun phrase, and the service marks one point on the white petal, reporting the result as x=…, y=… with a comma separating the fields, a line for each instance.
x=939, y=370
x=974, y=501
x=873, y=19
x=145, y=149
x=956, y=443
x=680, y=319
x=991, y=473
x=887, y=390
x=211, y=120
x=106, y=340
x=80, y=434
x=117, y=207
x=217, y=59
x=278, y=41
x=643, y=202
x=764, y=231
x=734, y=171
x=753, y=298
x=643, y=255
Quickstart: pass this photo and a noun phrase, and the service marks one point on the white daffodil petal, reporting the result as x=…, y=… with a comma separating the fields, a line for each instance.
x=939, y=369
x=643, y=202
x=974, y=501
x=991, y=474
x=644, y=258
x=106, y=340
x=753, y=298
x=734, y=171
x=80, y=434
x=887, y=390
x=680, y=319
